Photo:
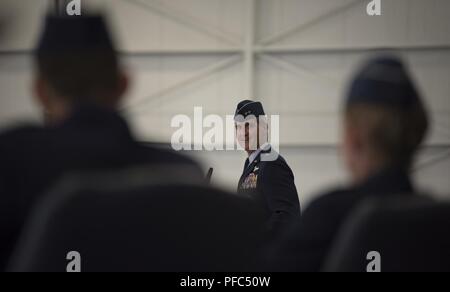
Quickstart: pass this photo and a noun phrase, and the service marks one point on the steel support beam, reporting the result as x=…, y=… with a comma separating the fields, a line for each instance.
x=249, y=51
x=204, y=73
x=186, y=20
x=302, y=27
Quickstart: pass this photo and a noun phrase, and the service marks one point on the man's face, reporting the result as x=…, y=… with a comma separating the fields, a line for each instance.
x=54, y=108
x=348, y=149
x=355, y=152
x=247, y=135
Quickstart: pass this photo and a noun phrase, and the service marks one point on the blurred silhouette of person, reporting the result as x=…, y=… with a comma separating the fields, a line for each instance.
x=79, y=84
x=267, y=178
x=385, y=122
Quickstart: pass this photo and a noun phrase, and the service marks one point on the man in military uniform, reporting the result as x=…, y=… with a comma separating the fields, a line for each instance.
x=79, y=83
x=385, y=121
x=267, y=178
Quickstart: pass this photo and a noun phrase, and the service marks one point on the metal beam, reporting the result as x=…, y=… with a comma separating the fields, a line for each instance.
x=55, y=7
x=270, y=50
x=187, y=20
x=302, y=27
x=439, y=158
x=293, y=49
x=182, y=51
x=249, y=52
x=294, y=68
x=441, y=127
x=180, y=85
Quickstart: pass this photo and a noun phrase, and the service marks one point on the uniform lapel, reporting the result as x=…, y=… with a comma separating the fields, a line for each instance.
x=252, y=166
x=249, y=169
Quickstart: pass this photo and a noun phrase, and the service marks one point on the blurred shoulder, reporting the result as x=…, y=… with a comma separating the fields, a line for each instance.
x=20, y=134
x=162, y=155
x=334, y=202
x=274, y=159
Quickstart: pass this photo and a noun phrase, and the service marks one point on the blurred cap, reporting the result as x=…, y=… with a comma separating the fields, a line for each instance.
x=72, y=34
x=385, y=82
x=248, y=108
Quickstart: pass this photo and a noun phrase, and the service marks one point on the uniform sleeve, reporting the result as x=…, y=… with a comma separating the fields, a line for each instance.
x=278, y=187
x=6, y=207
x=10, y=212
x=3, y=167
x=305, y=247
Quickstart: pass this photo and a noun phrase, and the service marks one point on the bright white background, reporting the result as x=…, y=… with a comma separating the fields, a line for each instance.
x=296, y=56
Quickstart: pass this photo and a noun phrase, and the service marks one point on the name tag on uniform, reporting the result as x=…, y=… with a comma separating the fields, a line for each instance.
x=251, y=182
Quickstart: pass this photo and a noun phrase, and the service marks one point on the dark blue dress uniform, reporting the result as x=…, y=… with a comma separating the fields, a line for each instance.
x=270, y=183
x=33, y=158
x=306, y=247
x=384, y=83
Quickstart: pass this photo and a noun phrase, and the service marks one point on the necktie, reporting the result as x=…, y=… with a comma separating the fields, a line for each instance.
x=247, y=163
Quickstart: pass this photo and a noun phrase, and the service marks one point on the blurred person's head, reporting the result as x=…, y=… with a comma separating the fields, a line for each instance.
x=251, y=125
x=77, y=64
x=385, y=120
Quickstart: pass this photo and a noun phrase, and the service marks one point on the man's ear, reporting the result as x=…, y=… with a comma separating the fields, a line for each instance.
x=121, y=88
x=41, y=93
x=354, y=139
x=124, y=82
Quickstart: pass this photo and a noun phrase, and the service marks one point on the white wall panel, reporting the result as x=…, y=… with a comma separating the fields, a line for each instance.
x=23, y=18
x=16, y=102
x=306, y=52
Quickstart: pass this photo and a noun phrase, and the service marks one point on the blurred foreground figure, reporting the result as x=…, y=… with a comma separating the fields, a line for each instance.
x=79, y=84
x=139, y=221
x=385, y=122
